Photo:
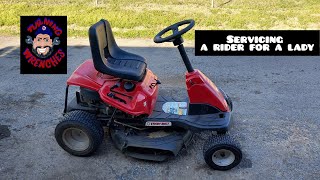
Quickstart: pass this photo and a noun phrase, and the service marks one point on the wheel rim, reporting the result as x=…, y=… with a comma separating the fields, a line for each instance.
x=75, y=139
x=223, y=157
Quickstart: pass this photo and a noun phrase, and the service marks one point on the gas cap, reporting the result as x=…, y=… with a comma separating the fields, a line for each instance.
x=129, y=86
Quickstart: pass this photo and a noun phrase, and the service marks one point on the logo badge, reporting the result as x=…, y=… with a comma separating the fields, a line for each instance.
x=43, y=45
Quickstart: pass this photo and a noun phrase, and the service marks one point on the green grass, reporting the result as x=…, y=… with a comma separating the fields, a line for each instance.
x=143, y=19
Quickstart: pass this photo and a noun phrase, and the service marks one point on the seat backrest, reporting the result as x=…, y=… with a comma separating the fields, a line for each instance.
x=108, y=58
x=98, y=44
x=102, y=44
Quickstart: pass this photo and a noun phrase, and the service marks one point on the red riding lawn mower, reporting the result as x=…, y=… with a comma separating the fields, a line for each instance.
x=119, y=92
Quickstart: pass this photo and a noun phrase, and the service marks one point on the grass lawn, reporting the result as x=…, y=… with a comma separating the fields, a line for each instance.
x=143, y=19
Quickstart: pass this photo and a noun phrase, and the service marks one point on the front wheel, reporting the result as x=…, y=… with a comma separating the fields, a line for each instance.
x=79, y=134
x=221, y=152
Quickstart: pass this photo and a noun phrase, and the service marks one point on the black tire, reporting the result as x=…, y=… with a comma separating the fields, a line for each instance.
x=79, y=134
x=225, y=147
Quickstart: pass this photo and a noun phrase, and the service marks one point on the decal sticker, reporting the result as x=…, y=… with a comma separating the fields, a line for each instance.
x=179, y=108
x=152, y=123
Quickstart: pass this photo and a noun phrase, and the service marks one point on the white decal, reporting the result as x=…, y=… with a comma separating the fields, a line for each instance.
x=180, y=108
x=152, y=123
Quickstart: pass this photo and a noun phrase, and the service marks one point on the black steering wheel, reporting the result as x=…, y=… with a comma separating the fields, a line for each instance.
x=175, y=31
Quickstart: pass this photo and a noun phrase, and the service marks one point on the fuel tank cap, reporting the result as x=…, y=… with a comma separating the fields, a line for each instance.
x=129, y=86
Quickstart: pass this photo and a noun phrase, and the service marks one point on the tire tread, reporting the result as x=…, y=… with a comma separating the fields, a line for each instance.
x=83, y=119
x=218, y=140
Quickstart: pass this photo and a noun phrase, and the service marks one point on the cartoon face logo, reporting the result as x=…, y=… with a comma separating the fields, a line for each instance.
x=42, y=44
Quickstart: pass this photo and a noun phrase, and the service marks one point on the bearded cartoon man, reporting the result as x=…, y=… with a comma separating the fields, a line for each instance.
x=42, y=44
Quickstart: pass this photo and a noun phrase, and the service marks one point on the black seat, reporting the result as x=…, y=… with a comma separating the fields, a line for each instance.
x=109, y=59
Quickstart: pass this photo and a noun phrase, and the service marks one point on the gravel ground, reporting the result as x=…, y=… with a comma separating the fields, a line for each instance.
x=276, y=110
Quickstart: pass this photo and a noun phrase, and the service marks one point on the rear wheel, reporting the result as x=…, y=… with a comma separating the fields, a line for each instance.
x=79, y=134
x=221, y=152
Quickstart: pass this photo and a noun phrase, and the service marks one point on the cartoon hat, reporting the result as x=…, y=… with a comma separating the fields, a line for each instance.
x=43, y=30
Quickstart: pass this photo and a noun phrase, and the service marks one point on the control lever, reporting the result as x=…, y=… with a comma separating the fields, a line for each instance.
x=117, y=85
x=112, y=95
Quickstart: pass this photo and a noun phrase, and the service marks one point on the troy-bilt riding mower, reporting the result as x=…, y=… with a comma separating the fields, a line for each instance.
x=118, y=91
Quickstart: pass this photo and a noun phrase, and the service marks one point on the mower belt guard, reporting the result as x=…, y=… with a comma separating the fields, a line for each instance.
x=141, y=146
x=213, y=122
